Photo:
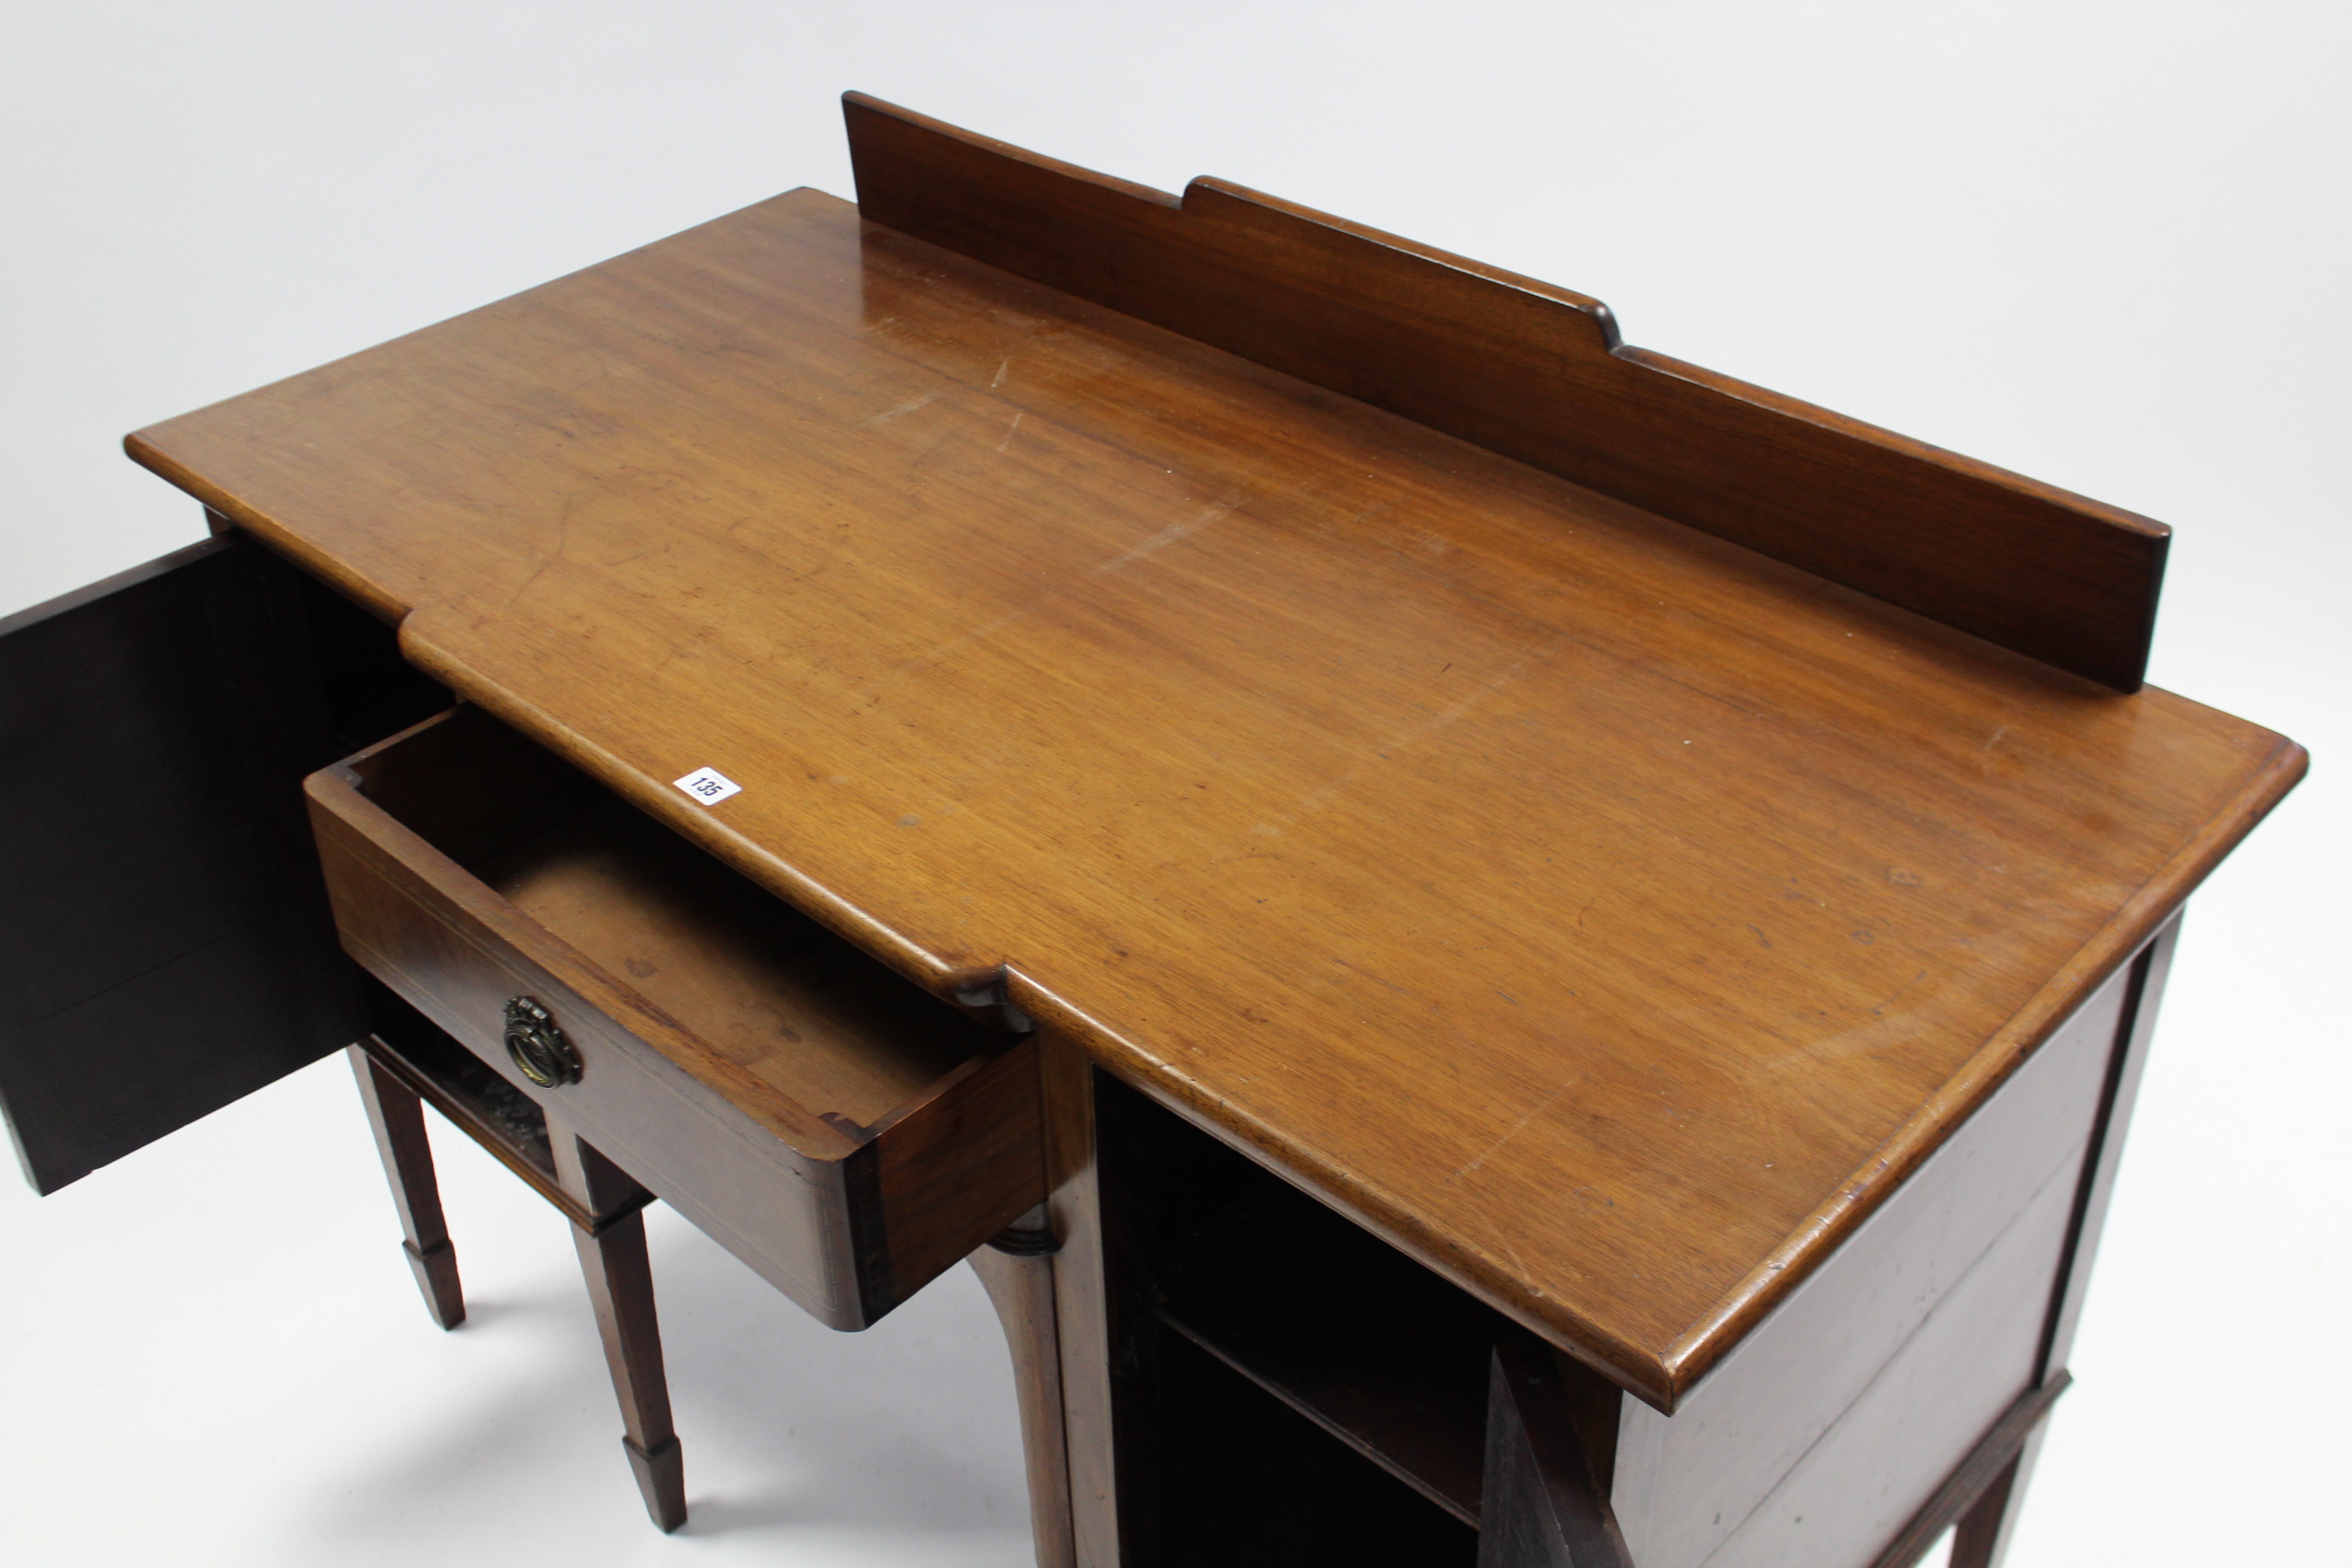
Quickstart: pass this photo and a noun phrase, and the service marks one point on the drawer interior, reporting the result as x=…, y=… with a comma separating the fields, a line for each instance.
x=760, y=983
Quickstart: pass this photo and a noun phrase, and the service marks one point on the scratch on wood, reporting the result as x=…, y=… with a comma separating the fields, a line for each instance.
x=907, y=407
x=1880, y=1010
x=934, y=657
x=1009, y=429
x=1512, y=1132
x=1171, y=534
x=1319, y=797
x=562, y=542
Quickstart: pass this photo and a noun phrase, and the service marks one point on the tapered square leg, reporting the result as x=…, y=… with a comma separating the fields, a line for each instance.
x=397, y=1117
x=661, y=1478
x=435, y=1269
x=621, y=1288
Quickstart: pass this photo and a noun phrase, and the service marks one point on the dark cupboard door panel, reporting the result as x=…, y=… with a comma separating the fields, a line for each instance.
x=164, y=941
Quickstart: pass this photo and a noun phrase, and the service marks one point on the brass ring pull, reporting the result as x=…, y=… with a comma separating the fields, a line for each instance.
x=538, y=1046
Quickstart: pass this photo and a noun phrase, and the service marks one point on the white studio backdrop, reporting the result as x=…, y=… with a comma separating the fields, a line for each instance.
x=2105, y=246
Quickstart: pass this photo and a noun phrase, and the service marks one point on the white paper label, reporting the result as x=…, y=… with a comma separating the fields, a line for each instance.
x=708, y=785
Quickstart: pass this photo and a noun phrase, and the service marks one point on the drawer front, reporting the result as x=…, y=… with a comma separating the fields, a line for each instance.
x=848, y=1237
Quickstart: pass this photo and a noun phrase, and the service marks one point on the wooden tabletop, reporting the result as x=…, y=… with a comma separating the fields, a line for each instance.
x=1603, y=911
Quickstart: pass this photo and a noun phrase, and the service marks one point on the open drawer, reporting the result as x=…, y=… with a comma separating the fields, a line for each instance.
x=843, y=1131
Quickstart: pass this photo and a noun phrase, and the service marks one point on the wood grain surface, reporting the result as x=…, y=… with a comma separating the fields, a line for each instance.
x=1607, y=914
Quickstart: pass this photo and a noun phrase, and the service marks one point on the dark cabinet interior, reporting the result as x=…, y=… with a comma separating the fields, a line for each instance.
x=1305, y=1392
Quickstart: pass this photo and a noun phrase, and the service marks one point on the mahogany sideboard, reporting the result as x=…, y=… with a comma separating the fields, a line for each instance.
x=1501, y=949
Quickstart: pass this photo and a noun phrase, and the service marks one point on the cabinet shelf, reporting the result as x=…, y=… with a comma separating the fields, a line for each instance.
x=1372, y=1347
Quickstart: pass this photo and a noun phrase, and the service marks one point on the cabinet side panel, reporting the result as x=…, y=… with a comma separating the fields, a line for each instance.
x=1684, y=1482
x=1855, y=1488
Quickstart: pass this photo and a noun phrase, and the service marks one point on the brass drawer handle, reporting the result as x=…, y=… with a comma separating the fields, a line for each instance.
x=538, y=1046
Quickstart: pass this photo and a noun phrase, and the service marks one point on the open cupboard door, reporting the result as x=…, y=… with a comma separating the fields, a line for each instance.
x=165, y=946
